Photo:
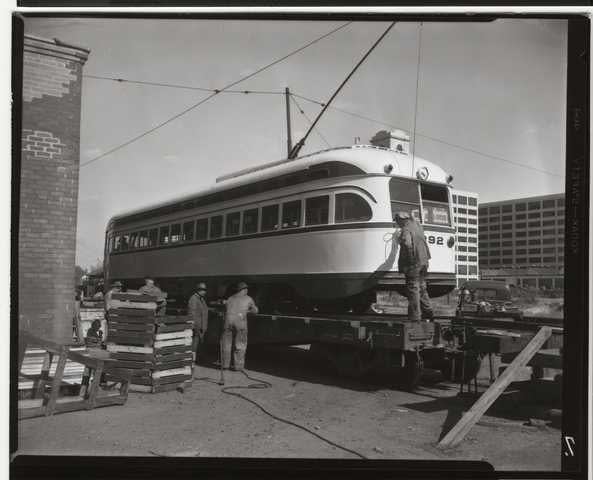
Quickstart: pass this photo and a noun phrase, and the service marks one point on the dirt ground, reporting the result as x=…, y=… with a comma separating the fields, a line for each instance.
x=374, y=420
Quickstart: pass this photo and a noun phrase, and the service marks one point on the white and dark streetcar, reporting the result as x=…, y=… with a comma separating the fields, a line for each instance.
x=314, y=232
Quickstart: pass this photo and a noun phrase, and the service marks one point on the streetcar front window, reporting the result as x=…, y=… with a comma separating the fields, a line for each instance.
x=435, y=204
x=352, y=208
x=404, y=197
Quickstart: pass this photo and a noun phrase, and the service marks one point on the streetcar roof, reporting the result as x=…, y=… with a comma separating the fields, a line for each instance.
x=368, y=158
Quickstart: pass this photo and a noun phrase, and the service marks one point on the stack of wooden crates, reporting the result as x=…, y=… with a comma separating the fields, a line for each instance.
x=156, y=348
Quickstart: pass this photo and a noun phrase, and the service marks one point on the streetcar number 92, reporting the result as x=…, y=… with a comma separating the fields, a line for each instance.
x=435, y=240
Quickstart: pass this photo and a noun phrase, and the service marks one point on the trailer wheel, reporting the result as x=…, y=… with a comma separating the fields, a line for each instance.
x=412, y=370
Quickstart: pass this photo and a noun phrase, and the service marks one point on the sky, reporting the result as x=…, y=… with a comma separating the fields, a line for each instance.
x=479, y=98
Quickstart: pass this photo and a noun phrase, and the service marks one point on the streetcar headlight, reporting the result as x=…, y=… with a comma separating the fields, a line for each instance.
x=388, y=168
x=422, y=173
x=451, y=242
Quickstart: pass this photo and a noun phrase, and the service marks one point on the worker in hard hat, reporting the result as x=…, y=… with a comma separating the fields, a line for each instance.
x=235, y=327
x=413, y=263
x=197, y=309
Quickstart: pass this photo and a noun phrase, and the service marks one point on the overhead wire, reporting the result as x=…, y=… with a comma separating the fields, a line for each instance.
x=417, y=91
x=435, y=139
x=310, y=122
x=201, y=102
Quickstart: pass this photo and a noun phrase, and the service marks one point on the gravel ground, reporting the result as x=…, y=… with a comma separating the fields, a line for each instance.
x=376, y=421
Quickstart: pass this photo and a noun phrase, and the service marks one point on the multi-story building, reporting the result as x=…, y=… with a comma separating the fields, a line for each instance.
x=465, y=211
x=521, y=241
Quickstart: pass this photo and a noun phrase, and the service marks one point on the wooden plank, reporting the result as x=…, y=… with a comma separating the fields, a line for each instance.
x=55, y=387
x=95, y=386
x=458, y=432
x=172, y=335
x=112, y=347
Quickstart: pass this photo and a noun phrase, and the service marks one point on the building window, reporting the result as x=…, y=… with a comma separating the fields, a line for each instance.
x=472, y=240
x=176, y=233
x=549, y=260
x=216, y=227
x=507, y=218
x=250, y=218
x=483, y=211
x=506, y=253
x=164, y=235
x=317, y=210
x=461, y=248
x=233, y=224
x=462, y=229
x=462, y=269
x=461, y=219
x=520, y=207
x=534, y=241
x=507, y=226
x=494, y=219
x=153, y=235
x=461, y=258
x=462, y=239
x=520, y=243
x=537, y=251
x=520, y=234
x=484, y=254
x=472, y=249
x=560, y=202
x=549, y=250
x=506, y=243
x=548, y=204
x=550, y=232
x=188, y=231
x=534, y=233
x=454, y=198
x=353, y=208
x=521, y=260
x=549, y=241
x=535, y=260
x=494, y=227
x=507, y=235
x=472, y=258
x=521, y=251
x=534, y=224
x=495, y=253
x=561, y=222
x=493, y=210
x=202, y=229
x=534, y=215
x=472, y=201
x=560, y=231
x=494, y=244
x=495, y=261
x=507, y=208
x=473, y=270
x=461, y=200
x=521, y=225
x=520, y=216
x=472, y=230
x=549, y=214
x=269, y=218
x=547, y=223
x=462, y=210
x=483, y=245
x=472, y=221
x=533, y=205
x=472, y=211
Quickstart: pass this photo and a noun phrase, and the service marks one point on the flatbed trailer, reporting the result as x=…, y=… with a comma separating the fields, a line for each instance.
x=356, y=345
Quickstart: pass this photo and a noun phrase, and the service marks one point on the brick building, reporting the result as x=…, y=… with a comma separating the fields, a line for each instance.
x=52, y=81
x=522, y=241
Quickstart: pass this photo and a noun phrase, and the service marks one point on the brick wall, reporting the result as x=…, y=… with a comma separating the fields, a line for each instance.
x=52, y=80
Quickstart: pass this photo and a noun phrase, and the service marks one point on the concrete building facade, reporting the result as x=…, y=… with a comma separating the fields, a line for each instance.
x=465, y=214
x=522, y=241
x=52, y=82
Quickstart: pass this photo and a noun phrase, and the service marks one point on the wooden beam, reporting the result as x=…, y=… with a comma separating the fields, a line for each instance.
x=458, y=432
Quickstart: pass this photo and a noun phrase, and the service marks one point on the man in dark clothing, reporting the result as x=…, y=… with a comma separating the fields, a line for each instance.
x=197, y=308
x=413, y=263
x=149, y=288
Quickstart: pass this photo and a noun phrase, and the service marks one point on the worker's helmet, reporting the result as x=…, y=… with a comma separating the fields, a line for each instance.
x=201, y=286
x=241, y=286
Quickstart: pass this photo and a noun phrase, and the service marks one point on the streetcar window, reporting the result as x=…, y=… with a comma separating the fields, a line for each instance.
x=125, y=241
x=164, y=235
x=250, y=218
x=188, y=231
x=133, y=240
x=352, y=208
x=269, y=218
x=317, y=210
x=404, y=197
x=435, y=203
x=143, y=239
x=216, y=227
x=117, y=243
x=153, y=234
x=202, y=229
x=233, y=224
x=175, y=233
x=291, y=214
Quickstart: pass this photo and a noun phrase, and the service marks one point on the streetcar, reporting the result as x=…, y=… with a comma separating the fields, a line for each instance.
x=313, y=232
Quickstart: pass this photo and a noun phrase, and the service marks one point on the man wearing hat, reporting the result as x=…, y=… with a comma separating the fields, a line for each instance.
x=235, y=327
x=149, y=288
x=197, y=309
x=413, y=263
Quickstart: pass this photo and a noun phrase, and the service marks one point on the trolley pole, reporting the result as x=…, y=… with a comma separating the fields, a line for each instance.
x=288, y=133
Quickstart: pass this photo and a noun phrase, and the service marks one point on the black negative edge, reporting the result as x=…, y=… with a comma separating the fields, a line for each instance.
x=575, y=352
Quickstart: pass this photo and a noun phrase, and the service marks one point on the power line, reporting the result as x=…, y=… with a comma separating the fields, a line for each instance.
x=309, y=120
x=201, y=102
x=439, y=140
x=417, y=89
x=182, y=87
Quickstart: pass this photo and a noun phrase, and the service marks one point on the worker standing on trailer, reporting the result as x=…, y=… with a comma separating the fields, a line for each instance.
x=235, y=327
x=413, y=263
x=197, y=308
x=149, y=288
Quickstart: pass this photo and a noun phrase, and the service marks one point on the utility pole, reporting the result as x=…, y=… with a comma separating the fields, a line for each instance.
x=288, y=133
